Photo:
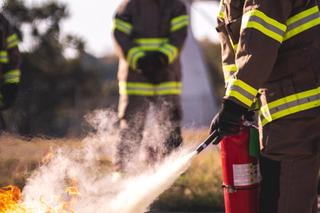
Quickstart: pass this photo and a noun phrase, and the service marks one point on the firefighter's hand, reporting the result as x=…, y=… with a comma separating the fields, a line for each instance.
x=228, y=120
x=9, y=94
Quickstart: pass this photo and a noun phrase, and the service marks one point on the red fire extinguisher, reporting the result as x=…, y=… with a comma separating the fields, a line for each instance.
x=240, y=171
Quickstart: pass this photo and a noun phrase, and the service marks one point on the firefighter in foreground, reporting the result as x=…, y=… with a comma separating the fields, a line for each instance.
x=9, y=65
x=271, y=51
x=149, y=35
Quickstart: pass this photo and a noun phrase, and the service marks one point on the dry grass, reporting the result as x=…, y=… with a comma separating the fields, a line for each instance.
x=198, y=189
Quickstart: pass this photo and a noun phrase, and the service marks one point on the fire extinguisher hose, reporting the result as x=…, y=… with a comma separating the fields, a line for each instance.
x=213, y=138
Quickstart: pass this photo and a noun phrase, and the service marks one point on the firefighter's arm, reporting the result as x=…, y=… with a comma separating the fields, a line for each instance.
x=122, y=32
x=178, y=32
x=263, y=29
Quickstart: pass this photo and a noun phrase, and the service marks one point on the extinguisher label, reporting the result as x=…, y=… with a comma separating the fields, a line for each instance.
x=245, y=174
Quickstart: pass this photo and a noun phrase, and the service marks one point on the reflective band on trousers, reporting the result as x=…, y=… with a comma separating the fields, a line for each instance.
x=4, y=57
x=123, y=26
x=148, y=89
x=270, y=27
x=12, y=76
x=241, y=91
x=12, y=41
x=179, y=22
x=289, y=105
x=302, y=22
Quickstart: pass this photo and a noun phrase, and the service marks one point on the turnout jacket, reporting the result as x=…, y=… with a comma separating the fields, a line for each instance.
x=150, y=25
x=271, y=50
x=9, y=58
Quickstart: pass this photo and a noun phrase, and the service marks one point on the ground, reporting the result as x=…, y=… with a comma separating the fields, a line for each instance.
x=198, y=189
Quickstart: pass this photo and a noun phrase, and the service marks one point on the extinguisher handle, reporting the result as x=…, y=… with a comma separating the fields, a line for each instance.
x=213, y=138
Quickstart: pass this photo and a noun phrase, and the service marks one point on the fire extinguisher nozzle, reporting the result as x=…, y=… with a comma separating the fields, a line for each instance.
x=214, y=138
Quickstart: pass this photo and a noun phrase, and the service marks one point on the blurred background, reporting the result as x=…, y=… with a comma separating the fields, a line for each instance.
x=69, y=67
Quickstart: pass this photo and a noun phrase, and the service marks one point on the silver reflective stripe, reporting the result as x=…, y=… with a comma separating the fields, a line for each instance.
x=267, y=25
x=242, y=92
x=303, y=21
x=294, y=104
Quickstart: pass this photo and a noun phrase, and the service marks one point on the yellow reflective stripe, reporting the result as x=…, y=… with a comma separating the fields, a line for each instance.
x=228, y=71
x=12, y=41
x=4, y=57
x=221, y=10
x=289, y=105
x=302, y=22
x=170, y=51
x=123, y=26
x=134, y=55
x=151, y=44
x=266, y=25
x=241, y=91
x=179, y=22
x=148, y=89
x=12, y=76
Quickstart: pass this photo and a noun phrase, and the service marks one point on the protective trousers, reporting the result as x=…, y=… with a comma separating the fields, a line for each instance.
x=289, y=165
x=132, y=113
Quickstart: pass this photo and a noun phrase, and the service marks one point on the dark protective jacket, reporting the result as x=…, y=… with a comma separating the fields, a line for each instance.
x=150, y=25
x=272, y=49
x=9, y=63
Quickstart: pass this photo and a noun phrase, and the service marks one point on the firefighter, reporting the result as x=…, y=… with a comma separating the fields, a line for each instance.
x=9, y=65
x=149, y=36
x=271, y=52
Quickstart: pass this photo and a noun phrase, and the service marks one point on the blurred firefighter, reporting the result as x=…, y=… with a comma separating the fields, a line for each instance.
x=271, y=50
x=9, y=66
x=149, y=35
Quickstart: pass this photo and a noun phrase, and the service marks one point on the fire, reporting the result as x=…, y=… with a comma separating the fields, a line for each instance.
x=10, y=200
x=10, y=197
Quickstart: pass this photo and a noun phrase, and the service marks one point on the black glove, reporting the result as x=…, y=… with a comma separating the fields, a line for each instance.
x=160, y=60
x=9, y=94
x=228, y=120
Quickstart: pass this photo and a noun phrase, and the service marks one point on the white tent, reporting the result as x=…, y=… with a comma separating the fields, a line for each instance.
x=197, y=98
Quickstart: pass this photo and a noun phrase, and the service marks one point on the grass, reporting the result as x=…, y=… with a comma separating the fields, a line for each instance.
x=199, y=189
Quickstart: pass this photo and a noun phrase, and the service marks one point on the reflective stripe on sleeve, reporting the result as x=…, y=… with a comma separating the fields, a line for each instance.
x=179, y=22
x=302, y=22
x=170, y=51
x=148, y=89
x=228, y=71
x=123, y=26
x=134, y=55
x=268, y=26
x=241, y=91
x=221, y=10
x=12, y=41
x=289, y=105
x=4, y=57
x=12, y=76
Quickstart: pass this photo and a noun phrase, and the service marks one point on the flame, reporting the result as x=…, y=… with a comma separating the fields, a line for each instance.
x=10, y=197
x=10, y=200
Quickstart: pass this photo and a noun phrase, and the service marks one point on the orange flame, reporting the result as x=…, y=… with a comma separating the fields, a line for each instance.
x=9, y=200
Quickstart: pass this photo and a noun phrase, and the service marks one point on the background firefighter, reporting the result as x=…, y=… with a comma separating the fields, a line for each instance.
x=9, y=66
x=149, y=36
x=272, y=48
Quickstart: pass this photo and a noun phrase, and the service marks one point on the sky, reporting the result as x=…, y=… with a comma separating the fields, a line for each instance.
x=92, y=21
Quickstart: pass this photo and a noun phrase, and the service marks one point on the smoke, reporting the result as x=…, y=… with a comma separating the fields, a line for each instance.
x=86, y=169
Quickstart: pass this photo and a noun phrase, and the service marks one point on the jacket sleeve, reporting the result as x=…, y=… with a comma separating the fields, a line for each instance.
x=263, y=28
x=178, y=31
x=122, y=32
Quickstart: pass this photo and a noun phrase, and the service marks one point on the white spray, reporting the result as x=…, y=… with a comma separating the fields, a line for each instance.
x=98, y=190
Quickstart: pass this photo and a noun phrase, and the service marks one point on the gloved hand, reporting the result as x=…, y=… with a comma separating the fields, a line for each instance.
x=9, y=94
x=228, y=119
